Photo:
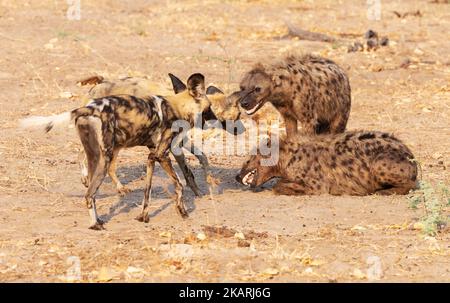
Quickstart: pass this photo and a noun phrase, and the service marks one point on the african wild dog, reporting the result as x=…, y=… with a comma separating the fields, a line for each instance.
x=352, y=163
x=311, y=90
x=219, y=109
x=127, y=121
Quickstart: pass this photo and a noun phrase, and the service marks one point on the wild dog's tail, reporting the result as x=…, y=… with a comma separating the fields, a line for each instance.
x=64, y=119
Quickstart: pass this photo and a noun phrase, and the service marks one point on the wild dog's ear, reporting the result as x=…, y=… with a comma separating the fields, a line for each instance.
x=196, y=85
x=177, y=85
x=211, y=90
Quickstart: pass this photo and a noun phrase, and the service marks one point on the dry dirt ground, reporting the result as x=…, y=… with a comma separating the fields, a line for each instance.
x=43, y=221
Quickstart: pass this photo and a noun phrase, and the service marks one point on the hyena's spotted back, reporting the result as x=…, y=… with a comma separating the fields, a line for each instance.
x=356, y=162
x=320, y=92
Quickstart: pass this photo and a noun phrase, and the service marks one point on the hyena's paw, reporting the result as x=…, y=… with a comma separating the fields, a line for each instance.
x=143, y=218
x=123, y=190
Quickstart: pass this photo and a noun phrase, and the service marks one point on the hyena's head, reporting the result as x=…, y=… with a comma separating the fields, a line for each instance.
x=255, y=90
x=254, y=173
x=263, y=165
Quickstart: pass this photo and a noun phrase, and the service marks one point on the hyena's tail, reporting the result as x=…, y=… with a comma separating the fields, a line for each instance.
x=61, y=120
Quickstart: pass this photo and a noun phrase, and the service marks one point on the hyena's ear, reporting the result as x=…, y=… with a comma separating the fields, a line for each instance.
x=177, y=85
x=196, y=85
x=211, y=90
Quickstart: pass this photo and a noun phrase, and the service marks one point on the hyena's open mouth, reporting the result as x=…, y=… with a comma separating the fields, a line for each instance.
x=255, y=108
x=249, y=178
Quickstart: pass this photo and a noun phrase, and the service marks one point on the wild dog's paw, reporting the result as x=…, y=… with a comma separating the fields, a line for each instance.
x=143, y=218
x=182, y=211
x=97, y=226
x=212, y=180
x=85, y=181
x=123, y=190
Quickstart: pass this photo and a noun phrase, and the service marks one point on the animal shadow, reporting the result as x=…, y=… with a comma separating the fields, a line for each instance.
x=134, y=198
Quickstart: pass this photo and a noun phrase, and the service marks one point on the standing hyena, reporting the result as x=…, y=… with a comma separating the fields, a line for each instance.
x=311, y=90
x=352, y=163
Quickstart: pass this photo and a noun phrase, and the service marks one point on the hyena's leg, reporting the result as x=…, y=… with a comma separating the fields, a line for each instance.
x=144, y=217
x=121, y=189
x=291, y=125
x=284, y=187
x=338, y=125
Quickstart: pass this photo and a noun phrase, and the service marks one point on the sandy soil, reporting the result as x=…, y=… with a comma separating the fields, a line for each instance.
x=43, y=222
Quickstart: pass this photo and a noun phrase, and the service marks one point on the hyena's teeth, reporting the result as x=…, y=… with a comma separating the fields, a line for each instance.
x=248, y=178
x=251, y=111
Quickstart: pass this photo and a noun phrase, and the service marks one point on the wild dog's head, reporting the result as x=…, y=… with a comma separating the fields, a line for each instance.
x=195, y=86
x=190, y=99
x=218, y=106
x=255, y=90
x=223, y=108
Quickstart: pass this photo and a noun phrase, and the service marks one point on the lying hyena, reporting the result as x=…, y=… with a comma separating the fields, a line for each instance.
x=126, y=121
x=307, y=89
x=219, y=108
x=352, y=163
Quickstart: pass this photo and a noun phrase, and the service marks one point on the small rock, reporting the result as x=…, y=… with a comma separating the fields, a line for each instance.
x=239, y=235
x=201, y=236
x=65, y=95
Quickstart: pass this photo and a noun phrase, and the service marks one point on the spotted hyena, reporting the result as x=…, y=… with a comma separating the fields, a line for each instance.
x=351, y=163
x=309, y=90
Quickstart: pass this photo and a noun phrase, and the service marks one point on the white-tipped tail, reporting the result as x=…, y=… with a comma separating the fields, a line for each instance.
x=47, y=123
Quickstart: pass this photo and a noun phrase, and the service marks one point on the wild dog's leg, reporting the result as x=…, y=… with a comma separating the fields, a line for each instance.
x=167, y=166
x=121, y=189
x=98, y=145
x=96, y=181
x=97, y=166
x=187, y=173
x=82, y=161
x=284, y=187
x=205, y=166
x=144, y=217
x=160, y=154
x=86, y=132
